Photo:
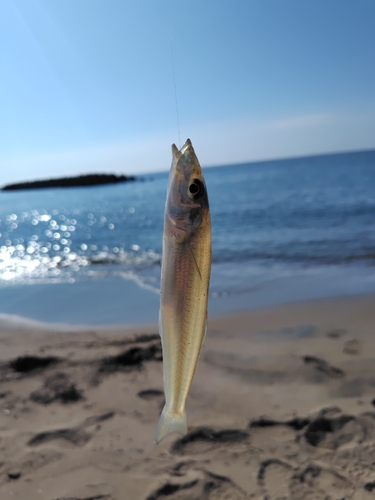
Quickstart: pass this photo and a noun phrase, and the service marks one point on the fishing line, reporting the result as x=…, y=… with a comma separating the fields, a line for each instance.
x=175, y=86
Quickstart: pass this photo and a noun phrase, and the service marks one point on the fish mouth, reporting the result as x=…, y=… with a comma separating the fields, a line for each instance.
x=177, y=153
x=184, y=160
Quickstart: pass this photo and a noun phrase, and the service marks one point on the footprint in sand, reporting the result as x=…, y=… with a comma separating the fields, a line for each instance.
x=273, y=478
x=76, y=436
x=28, y=464
x=206, y=486
x=314, y=481
x=280, y=480
x=332, y=432
x=151, y=394
x=204, y=439
x=296, y=423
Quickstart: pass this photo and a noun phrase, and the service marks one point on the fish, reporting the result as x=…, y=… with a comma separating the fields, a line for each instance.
x=185, y=280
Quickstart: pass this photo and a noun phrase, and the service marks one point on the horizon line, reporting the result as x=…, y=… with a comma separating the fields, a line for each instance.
x=251, y=162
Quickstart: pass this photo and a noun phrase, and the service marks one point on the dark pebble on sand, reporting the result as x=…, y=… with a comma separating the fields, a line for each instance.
x=14, y=475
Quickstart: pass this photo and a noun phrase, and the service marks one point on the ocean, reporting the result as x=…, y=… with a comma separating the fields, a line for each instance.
x=286, y=230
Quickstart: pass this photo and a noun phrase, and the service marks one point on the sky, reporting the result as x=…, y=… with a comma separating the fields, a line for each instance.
x=109, y=85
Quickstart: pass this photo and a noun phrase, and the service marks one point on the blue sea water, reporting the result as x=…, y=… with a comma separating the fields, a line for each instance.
x=282, y=230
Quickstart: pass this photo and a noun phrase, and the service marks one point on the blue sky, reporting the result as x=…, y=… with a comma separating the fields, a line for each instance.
x=87, y=85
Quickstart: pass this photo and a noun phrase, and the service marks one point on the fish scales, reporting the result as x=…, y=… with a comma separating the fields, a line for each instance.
x=186, y=268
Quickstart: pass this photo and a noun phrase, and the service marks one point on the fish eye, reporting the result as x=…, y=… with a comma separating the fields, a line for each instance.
x=196, y=189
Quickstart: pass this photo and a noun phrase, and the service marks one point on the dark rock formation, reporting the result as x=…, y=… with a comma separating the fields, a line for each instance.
x=63, y=182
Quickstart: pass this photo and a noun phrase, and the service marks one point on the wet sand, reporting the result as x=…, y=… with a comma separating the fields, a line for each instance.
x=282, y=407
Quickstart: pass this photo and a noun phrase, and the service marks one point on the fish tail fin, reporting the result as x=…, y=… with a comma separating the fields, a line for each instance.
x=170, y=422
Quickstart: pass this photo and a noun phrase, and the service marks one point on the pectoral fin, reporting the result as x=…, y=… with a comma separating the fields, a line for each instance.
x=195, y=262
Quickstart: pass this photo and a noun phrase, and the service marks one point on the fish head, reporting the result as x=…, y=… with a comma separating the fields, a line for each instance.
x=187, y=200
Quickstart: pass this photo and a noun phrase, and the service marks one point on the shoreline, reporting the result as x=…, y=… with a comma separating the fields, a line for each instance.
x=123, y=299
x=18, y=322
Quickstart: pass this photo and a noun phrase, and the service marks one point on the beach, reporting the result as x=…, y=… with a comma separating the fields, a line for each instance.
x=215, y=188
x=281, y=407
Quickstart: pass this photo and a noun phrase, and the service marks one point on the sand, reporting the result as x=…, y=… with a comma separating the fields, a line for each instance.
x=281, y=407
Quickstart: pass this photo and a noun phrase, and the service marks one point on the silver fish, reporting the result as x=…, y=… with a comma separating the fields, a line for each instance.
x=185, y=279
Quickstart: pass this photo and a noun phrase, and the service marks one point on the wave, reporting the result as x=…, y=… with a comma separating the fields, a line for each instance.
x=16, y=322
x=298, y=258
x=18, y=266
